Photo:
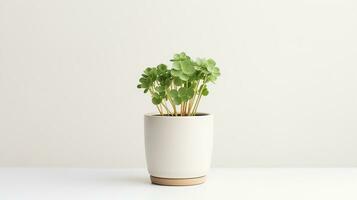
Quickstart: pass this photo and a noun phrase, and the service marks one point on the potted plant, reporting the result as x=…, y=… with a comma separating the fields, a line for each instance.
x=178, y=139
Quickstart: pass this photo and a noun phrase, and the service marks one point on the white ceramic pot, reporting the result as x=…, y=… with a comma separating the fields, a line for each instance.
x=178, y=149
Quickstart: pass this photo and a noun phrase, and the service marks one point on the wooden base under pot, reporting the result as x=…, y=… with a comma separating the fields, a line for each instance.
x=178, y=181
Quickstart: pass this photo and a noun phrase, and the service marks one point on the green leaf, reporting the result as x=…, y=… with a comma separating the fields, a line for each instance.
x=162, y=67
x=216, y=72
x=183, y=56
x=210, y=68
x=176, y=73
x=197, y=67
x=160, y=88
x=211, y=62
x=177, y=56
x=177, y=82
x=153, y=73
x=138, y=86
x=146, y=90
x=185, y=98
x=142, y=80
x=156, y=100
x=145, y=85
x=177, y=100
x=193, y=85
x=173, y=93
x=205, y=91
x=162, y=94
x=185, y=93
x=182, y=92
x=211, y=65
x=187, y=68
x=200, y=61
x=176, y=66
x=212, y=78
x=147, y=70
x=190, y=92
x=184, y=77
x=167, y=83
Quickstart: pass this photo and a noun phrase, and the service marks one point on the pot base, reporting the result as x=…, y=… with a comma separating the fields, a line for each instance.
x=177, y=181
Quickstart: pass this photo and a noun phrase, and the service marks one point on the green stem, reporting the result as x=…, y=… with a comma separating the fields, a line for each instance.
x=181, y=109
x=152, y=95
x=199, y=97
x=172, y=103
x=167, y=110
x=196, y=106
x=192, y=101
x=159, y=110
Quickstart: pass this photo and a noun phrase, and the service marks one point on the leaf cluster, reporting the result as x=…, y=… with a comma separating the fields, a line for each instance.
x=183, y=85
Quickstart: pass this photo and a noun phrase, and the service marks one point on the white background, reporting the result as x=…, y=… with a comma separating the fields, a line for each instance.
x=287, y=96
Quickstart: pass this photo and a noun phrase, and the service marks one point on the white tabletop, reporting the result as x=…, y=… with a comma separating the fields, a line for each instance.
x=126, y=184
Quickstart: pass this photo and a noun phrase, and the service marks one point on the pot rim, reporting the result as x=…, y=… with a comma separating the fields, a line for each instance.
x=157, y=115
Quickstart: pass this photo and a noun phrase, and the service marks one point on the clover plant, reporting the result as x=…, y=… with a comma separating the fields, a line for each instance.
x=178, y=91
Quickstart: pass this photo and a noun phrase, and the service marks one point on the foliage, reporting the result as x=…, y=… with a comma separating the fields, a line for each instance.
x=181, y=87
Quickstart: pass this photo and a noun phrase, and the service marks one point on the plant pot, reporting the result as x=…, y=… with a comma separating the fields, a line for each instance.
x=178, y=149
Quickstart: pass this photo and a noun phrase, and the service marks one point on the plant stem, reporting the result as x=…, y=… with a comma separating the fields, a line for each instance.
x=196, y=106
x=187, y=107
x=167, y=110
x=199, y=97
x=172, y=103
x=162, y=111
x=152, y=94
x=190, y=105
x=159, y=110
x=173, y=106
x=181, y=107
x=192, y=101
